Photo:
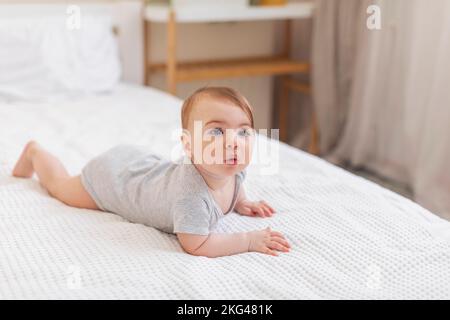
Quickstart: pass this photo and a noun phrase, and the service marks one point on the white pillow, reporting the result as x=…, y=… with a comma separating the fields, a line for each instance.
x=41, y=58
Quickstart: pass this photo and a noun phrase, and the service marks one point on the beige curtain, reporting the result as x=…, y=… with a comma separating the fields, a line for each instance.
x=383, y=96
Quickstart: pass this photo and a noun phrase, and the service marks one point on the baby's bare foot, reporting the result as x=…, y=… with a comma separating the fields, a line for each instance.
x=24, y=167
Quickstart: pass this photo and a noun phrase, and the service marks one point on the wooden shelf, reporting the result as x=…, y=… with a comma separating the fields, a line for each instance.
x=216, y=13
x=258, y=66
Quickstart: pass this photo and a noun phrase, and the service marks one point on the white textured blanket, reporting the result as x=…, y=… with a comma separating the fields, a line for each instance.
x=350, y=237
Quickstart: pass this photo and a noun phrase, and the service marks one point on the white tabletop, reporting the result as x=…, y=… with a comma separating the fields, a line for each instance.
x=216, y=13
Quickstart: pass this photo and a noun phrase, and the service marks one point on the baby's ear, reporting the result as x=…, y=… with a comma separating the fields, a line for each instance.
x=186, y=142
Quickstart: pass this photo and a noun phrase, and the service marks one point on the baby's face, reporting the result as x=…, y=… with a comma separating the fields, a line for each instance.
x=221, y=137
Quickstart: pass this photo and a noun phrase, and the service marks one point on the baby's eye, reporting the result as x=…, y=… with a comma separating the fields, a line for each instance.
x=216, y=131
x=245, y=132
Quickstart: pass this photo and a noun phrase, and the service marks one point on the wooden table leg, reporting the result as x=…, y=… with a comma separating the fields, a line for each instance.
x=283, y=108
x=287, y=84
x=287, y=39
x=146, y=50
x=171, y=54
x=314, y=141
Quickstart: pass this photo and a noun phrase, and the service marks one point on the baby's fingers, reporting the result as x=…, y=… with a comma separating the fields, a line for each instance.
x=278, y=246
x=272, y=210
x=259, y=211
x=266, y=211
x=265, y=208
x=270, y=252
x=247, y=211
x=282, y=241
x=269, y=212
x=277, y=234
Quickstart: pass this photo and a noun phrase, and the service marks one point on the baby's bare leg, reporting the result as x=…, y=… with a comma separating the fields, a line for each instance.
x=53, y=176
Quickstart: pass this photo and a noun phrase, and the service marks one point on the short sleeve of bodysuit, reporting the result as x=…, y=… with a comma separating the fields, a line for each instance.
x=191, y=216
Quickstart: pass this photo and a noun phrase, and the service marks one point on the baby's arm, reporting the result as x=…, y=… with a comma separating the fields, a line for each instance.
x=252, y=208
x=218, y=245
x=214, y=244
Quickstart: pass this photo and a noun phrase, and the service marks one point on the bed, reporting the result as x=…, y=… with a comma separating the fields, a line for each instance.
x=351, y=239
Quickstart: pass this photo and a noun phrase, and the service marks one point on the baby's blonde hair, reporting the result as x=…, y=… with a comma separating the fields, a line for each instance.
x=225, y=93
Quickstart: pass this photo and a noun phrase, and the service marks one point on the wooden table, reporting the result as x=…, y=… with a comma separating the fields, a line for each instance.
x=281, y=64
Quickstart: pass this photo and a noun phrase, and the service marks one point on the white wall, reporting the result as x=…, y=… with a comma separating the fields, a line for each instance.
x=127, y=16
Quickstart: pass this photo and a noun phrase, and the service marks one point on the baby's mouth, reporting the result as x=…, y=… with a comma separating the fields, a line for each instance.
x=231, y=161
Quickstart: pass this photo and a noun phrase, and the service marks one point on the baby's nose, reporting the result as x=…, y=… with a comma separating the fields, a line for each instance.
x=231, y=139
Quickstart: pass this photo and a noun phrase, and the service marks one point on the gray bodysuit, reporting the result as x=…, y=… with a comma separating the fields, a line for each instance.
x=142, y=187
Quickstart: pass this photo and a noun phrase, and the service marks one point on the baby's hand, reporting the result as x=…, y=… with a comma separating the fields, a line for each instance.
x=255, y=208
x=267, y=241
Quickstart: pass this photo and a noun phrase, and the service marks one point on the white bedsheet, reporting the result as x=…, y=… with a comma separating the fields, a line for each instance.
x=350, y=237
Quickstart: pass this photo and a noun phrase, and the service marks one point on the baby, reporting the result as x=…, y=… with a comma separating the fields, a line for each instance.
x=186, y=197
